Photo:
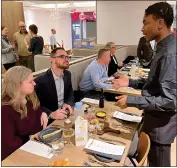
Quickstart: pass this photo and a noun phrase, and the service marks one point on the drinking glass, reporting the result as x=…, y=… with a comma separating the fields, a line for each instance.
x=57, y=146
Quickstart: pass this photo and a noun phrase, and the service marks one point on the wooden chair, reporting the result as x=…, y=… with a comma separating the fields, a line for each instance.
x=142, y=150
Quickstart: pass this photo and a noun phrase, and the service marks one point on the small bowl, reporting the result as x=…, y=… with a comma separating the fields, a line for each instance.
x=101, y=114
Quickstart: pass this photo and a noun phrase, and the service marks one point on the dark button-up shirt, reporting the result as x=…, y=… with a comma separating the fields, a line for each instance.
x=159, y=94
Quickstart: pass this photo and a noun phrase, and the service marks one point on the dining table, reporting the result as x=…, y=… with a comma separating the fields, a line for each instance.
x=77, y=154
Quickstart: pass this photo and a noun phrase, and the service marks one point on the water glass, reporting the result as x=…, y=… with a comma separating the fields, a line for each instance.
x=57, y=146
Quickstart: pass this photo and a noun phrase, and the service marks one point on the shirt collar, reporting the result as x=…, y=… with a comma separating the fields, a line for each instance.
x=55, y=76
x=170, y=37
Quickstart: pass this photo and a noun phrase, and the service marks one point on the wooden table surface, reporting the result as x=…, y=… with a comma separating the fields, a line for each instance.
x=124, y=91
x=77, y=155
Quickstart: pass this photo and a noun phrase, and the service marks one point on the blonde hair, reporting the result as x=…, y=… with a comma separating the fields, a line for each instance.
x=10, y=90
x=109, y=45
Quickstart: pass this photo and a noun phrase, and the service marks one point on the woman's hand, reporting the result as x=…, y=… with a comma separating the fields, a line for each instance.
x=44, y=120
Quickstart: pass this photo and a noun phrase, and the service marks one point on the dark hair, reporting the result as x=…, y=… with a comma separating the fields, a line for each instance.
x=102, y=51
x=33, y=28
x=53, y=53
x=2, y=27
x=161, y=10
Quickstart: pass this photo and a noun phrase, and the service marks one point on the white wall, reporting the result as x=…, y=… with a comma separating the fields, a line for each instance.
x=120, y=21
x=44, y=23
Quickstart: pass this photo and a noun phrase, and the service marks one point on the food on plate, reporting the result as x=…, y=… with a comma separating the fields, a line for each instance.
x=91, y=128
x=90, y=117
x=85, y=106
x=101, y=114
x=52, y=134
x=94, y=121
x=63, y=162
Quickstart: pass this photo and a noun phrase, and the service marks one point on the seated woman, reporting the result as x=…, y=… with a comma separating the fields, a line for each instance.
x=113, y=65
x=21, y=113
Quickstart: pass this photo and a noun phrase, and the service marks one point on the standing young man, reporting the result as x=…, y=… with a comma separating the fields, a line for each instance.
x=159, y=92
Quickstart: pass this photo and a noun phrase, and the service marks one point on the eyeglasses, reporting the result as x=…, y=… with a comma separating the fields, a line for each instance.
x=66, y=57
x=113, y=47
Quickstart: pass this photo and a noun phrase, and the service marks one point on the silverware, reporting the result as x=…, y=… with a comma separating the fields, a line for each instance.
x=132, y=114
x=95, y=161
x=87, y=164
x=111, y=141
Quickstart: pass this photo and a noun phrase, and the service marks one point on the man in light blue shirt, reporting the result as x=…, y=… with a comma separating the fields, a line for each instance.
x=53, y=41
x=96, y=74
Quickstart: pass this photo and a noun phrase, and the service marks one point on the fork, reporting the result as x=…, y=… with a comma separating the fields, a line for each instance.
x=87, y=164
x=95, y=161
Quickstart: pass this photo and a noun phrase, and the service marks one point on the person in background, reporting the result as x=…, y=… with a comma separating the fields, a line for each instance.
x=159, y=91
x=25, y=57
x=53, y=41
x=113, y=65
x=145, y=52
x=95, y=75
x=36, y=43
x=21, y=115
x=54, y=87
x=9, y=57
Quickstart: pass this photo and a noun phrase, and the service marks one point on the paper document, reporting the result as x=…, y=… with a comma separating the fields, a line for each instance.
x=88, y=100
x=37, y=149
x=105, y=149
x=127, y=117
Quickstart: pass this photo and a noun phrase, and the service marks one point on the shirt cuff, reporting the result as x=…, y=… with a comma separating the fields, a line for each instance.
x=131, y=101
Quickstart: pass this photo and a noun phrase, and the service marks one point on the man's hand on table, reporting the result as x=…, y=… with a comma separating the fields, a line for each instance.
x=122, y=101
x=59, y=114
x=121, y=82
x=68, y=107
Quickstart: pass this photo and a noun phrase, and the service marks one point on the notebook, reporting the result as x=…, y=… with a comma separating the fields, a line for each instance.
x=105, y=149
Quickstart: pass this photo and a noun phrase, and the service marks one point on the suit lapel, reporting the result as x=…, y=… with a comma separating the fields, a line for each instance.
x=52, y=86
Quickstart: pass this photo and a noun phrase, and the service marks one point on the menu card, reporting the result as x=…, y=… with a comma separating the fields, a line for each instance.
x=105, y=149
x=81, y=131
x=127, y=117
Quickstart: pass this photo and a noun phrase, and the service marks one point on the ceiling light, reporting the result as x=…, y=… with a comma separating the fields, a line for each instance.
x=63, y=5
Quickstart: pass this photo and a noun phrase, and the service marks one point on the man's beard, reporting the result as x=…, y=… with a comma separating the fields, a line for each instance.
x=62, y=66
x=24, y=31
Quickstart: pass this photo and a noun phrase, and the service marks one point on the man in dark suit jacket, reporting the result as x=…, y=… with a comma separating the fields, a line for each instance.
x=54, y=87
